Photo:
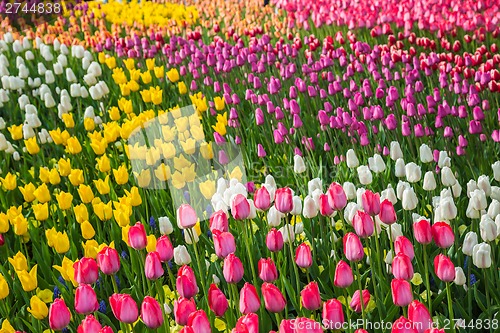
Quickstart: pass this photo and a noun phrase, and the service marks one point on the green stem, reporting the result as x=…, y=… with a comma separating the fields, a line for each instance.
x=361, y=300
x=427, y=282
x=450, y=307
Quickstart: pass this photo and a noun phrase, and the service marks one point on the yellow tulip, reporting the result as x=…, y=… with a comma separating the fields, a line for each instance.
x=188, y=146
x=150, y=63
x=182, y=88
x=9, y=182
x=7, y=327
x=76, y=177
x=16, y=131
x=162, y=172
x=90, y=248
x=41, y=211
x=125, y=105
x=151, y=245
x=129, y=63
x=207, y=188
x=220, y=128
x=101, y=57
x=182, y=124
x=45, y=295
x=121, y=217
x=188, y=173
x=20, y=225
x=64, y=166
x=38, y=308
x=99, y=147
x=219, y=103
x=4, y=223
x=132, y=85
x=114, y=113
x=4, y=287
x=222, y=118
x=73, y=146
x=111, y=62
x=121, y=175
x=87, y=230
x=197, y=133
x=42, y=193
x=181, y=162
x=44, y=175
x=125, y=230
x=134, y=195
x=125, y=89
x=54, y=177
x=64, y=200
x=67, y=271
x=206, y=151
x=13, y=212
x=68, y=120
x=81, y=213
x=85, y=193
x=146, y=77
x=32, y=146
x=19, y=262
x=178, y=180
x=29, y=281
x=28, y=192
x=89, y=124
x=103, y=211
x=135, y=74
x=61, y=242
x=173, y=75
x=143, y=178
x=102, y=185
x=159, y=72
x=156, y=96
x=103, y=163
x=236, y=173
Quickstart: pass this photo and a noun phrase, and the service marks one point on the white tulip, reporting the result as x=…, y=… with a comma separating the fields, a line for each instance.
x=84, y=93
x=49, y=77
x=23, y=100
x=483, y=182
x=460, y=279
x=86, y=64
x=310, y=208
x=89, y=112
x=191, y=237
x=495, y=193
x=270, y=181
x=376, y=164
x=429, y=181
x=58, y=69
x=496, y=170
x=181, y=255
x=471, y=212
x=447, y=177
x=350, y=210
x=470, y=240
x=389, y=194
x=41, y=69
x=426, y=154
x=26, y=43
x=444, y=160
x=481, y=255
x=478, y=200
x=56, y=44
x=395, y=231
x=32, y=120
x=315, y=195
x=17, y=46
x=3, y=142
x=64, y=49
x=8, y=38
x=77, y=51
x=471, y=186
x=23, y=72
x=298, y=166
x=274, y=217
x=494, y=208
x=359, y=196
x=253, y=211
x=216, y=280
x=388, y=257
x=400, y=168
x=95, y=69
x=409, y=200
x=448, y=209
x=29, y=56
x=413, y=172
x=74, y=90
x=488, y=228
x=365, y=175
x=297, y=205
x=456, y=189
x=28, y=132
x=288, y=233
x=63, y=60
x=49, y=101
x=16, y=156
x=351, y=159
x=10, y=149
x=401, y=187
x=497, y=223
x=90, y=79
x=395, y=151
x=2, y=124
x=70, y=75
x=298, y=228
x=314, y=184
x=350, y=190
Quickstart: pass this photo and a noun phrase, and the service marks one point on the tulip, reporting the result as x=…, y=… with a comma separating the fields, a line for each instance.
x=488, y=229
x=352, y=159
x=460, y=279
x=198, y=320
x=247, y=324
x=413, y=172
x=419, y=315
x=336, y=196
x=283, y=200
x=274, y=300
x=365, y=175
x=404, y=245
x=409, y=199
x=224, y=243
x=249, y=299
x=151, y=313
x=137, y=236
x=181, y=255
x=165, y=225
x=443, y=234
x=86, y=271
x=262, y=199
x=89, y=325
x=233, y=269
x=371, y=202
x=59, y=315
x=85, y=299
x=164, y=248
x=444, y=268
x=400, y=168
x=353, y=249
x=356, y=300
x=422, y=231
x=152, y=267
x=429, y=181
x=217, y=301
x=363, y=224
x=387, y=213
x=298, y=165
x=403, y=325
x=306, y=325
x=267, y=270
x=240, y=208
x=333, y=314
x=343, y=275
x=470, y=240
x=324, y=206
x=310, y=209
x=402, y=267
x=297, y=205
x=183, y=307
x=219, y=221
x=311, y=299
x=186, y=217
x=481, y=255
x=303, y=256
x=401, y=292
x=186, y=282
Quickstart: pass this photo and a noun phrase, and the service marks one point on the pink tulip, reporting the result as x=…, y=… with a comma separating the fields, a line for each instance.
x=306, y=325
x=419, y=315
x=151, y=313
x=137, y=236
x=336, y=196
x=248, y=323
x=443, y=234
x=224, y=243
x=124, y=308
x=402, y=325
x=183, y=307
x=343, y=275
x=217, y=301
x=356, y=300
x=152, y=266
x=164, y=248
x=402, y=267
x=333, y=314
x=86, y=271
x=303, y=256
x=59, y=315
x=233, y=269
x=283, y=200
x=371, y=202
x=186, y=217
x=267, y=270
x=353, y=249
x=401, y=292
x=262, y=199
x=198, y=320
x=311, y=299
x=387, y=213
x=404, y=245
x=324, y=206
x=274, y=240
x=444, y=268
x=363, y=224
x=240, y=208
x=249, y=299
x=218, y=221
x=89, y=325
x=422, y=231
x=274, y=300
x=108, y=260
x=85, y=299
x=287, y=326
x=186, y=282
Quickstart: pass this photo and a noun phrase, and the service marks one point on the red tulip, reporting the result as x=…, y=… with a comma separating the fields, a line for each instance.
x=283, y=200
x=356, y=300
x=85, y=299
x=306, y=325
x=403, y=244
x=343, y=275
x=387, y=213
x=402, y=267
x=333, y=314
x=353, y=249
x=183, y=307
x=444, y=268
x=108, y=260
x=240, y=207
x=89, y=325
x=124, y=308
x=164, y=248
x=86, y=271
x=324, y=206
x=311, y=299
x=262, y=199
x=224, y=243
x=217, y=301
x=137, y=236
x=371, y=202
x=186, y=282
x=274, y=300
x=422, y=231
x=287, y=326
x=419, y=315
x=218, y=221
x=248, y=323
x=363, y=224
x=249, y=299
x=59, y=315
x=187, y=329
x=274, y=240
x=267, y=270
x=443, y=234
x=198, y=320
x=151, y=312
x=233, y=269
x=403, y=325
x=152, y=266
x=303, y=256
x=336, y=196
x=401, y=292
x=106, y=329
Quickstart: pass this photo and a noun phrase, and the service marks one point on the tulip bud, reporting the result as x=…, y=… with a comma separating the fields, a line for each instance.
x=274, y=300
x=303, y=256
x=395, y=151
x=470, y=240
x=419, y=315
x=400, y=168
x=483, y=183
x=444, y=268
x=233, y=269
x=343, y=275
x=481, y=255
x=402, y=267
x=409, y=200
x=349, y=190
x=137, y=236
x=89, y=325
x=108, y=261
x=124, y=308
x=217, y=301
x=365, y=175
x=371, y=202
x=249, y=299
x=267, y=270
x=274, y=240
x=198, y=320
x=186, y=217
x=59, y=315
x=413, y=172
x=387, y=213
x=352, y=159
x=311, y=299
x=429, y=181
x=333, y=314
x=164, y=248
x=224, y=243
x=219, y=221
x=443, y=234
x=247, y=324
x=422, y=231
x=283, y=200
x=299, y=165
x=363, y=224
x=262, y=199
x=297, y=205
x=86, y=271
x=336, y=196
x=496, y=170
x=447, y=177
x=151, y=313
x=404, y=245
x=165, y=225
x=181, y=255
x=488, y=229
x=186, y=282
x=183, y=307
x=356, y=300
x=353, y=249
x=460, y=279
x=310, y=209
x=401, y=292
x=152, y=266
